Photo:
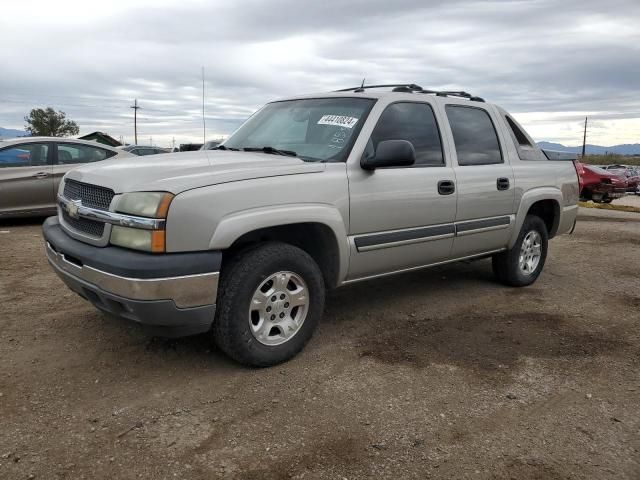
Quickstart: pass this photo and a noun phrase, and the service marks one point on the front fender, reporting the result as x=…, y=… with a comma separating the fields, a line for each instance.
x=528, y=199
x=233, y=226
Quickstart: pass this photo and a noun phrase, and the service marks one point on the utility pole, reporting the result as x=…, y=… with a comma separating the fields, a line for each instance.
x=204, y=129
x=135, y=120
x=584, y=139
x=173, y=143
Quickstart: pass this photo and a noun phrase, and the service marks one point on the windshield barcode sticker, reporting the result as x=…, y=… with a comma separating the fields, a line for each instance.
x=338, y=121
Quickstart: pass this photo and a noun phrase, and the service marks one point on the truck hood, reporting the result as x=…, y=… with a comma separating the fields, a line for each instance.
x=177, y=172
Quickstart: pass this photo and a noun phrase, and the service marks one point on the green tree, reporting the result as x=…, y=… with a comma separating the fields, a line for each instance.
x=49, y=123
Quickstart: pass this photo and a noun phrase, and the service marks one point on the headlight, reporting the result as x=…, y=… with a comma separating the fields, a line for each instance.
x=147, y=240
x=142, y=204
x=145, y=204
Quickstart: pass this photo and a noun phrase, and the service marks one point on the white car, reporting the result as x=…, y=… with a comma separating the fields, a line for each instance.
x=31, y=169
x=142, y=150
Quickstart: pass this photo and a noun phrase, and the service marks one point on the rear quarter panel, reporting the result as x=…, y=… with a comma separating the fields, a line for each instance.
x=542, y=179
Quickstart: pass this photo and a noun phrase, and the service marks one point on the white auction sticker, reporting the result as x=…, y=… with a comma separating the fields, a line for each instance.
x=338, y=121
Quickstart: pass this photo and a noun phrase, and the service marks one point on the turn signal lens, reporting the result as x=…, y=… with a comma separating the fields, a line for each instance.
x=158, y=241
x=163, y=206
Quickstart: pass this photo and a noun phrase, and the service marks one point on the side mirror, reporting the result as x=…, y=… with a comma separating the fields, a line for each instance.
x=390, y=153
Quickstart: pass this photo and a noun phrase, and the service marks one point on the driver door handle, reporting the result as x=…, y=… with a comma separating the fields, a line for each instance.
x=446, y=187
x=40, y=175
x=502, y=183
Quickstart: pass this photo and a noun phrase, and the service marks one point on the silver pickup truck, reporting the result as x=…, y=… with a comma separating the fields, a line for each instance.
x=311, y=193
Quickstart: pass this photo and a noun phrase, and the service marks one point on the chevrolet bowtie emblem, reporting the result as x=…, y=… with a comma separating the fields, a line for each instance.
x=72, y=208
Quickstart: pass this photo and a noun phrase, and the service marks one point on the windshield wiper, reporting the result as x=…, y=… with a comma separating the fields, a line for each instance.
x=222, y=147
x=275, y=151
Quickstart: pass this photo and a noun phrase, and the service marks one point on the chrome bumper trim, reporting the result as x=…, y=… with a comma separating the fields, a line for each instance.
x=186, y=291
x=75, y=209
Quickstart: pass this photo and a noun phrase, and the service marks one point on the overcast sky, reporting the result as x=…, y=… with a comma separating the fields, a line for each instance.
x=549, y=62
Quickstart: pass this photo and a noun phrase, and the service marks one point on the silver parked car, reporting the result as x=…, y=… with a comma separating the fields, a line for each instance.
x=31, y=169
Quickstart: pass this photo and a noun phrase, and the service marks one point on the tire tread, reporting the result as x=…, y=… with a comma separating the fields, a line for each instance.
x=241, y=269
x=505, y=264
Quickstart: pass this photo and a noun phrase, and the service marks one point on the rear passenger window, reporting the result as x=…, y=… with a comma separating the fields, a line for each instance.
x=416, y=123
x=518, y=135
x=526, y=149
x=70, y=153
x=474, y=135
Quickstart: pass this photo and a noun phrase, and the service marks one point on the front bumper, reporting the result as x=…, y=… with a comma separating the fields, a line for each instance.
x=175, y=293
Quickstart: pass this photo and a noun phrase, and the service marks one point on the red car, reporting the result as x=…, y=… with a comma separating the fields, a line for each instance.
x=600, y=185
x=632, y=175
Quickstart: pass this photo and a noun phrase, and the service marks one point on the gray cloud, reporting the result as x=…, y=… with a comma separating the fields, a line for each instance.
x=527, y=56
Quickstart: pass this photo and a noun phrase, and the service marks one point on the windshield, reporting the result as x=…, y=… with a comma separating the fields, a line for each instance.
x=318, y=129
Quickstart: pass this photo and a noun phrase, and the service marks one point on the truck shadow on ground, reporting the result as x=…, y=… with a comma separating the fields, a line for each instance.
x=489, y=344
x=21, y=222
x=346, y=304
x=488, y=340
x=490, y=347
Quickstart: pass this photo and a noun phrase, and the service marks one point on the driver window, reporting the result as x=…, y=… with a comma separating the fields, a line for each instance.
x=414, y=122
x=25, y=155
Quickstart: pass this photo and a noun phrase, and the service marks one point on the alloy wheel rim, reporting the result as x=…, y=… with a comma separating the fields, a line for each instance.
x=530, y=252
x=278, y=309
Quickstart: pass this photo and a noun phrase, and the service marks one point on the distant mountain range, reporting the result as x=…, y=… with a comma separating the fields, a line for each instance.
x=11, y=133
x=625, y=149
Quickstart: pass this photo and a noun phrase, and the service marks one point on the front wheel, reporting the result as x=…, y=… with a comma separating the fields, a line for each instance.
x=270, y=301
x=521, y=265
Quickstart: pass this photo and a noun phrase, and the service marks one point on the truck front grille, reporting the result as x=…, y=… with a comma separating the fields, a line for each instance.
x=91, y=195
x=84, y=225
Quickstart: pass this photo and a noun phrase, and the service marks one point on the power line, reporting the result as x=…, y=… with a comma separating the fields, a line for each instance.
x=204, y=128
x=584, y=138
x=135, y=120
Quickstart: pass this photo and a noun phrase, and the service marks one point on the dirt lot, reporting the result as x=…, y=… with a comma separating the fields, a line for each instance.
x=436, y=374
x=630, y=200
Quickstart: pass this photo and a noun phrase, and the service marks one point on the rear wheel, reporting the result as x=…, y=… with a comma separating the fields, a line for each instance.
x=521, y=265
x=271, y=299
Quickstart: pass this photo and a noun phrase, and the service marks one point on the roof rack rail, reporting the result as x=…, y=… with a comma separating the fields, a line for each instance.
x=412, y=88
x=362, y=88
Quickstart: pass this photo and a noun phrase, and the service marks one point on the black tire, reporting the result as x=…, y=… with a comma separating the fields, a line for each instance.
x=240, y=279
x=506, y=265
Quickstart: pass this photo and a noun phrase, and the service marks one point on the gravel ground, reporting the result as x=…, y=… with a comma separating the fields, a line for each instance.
x=435, y=374
x=630, y=200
